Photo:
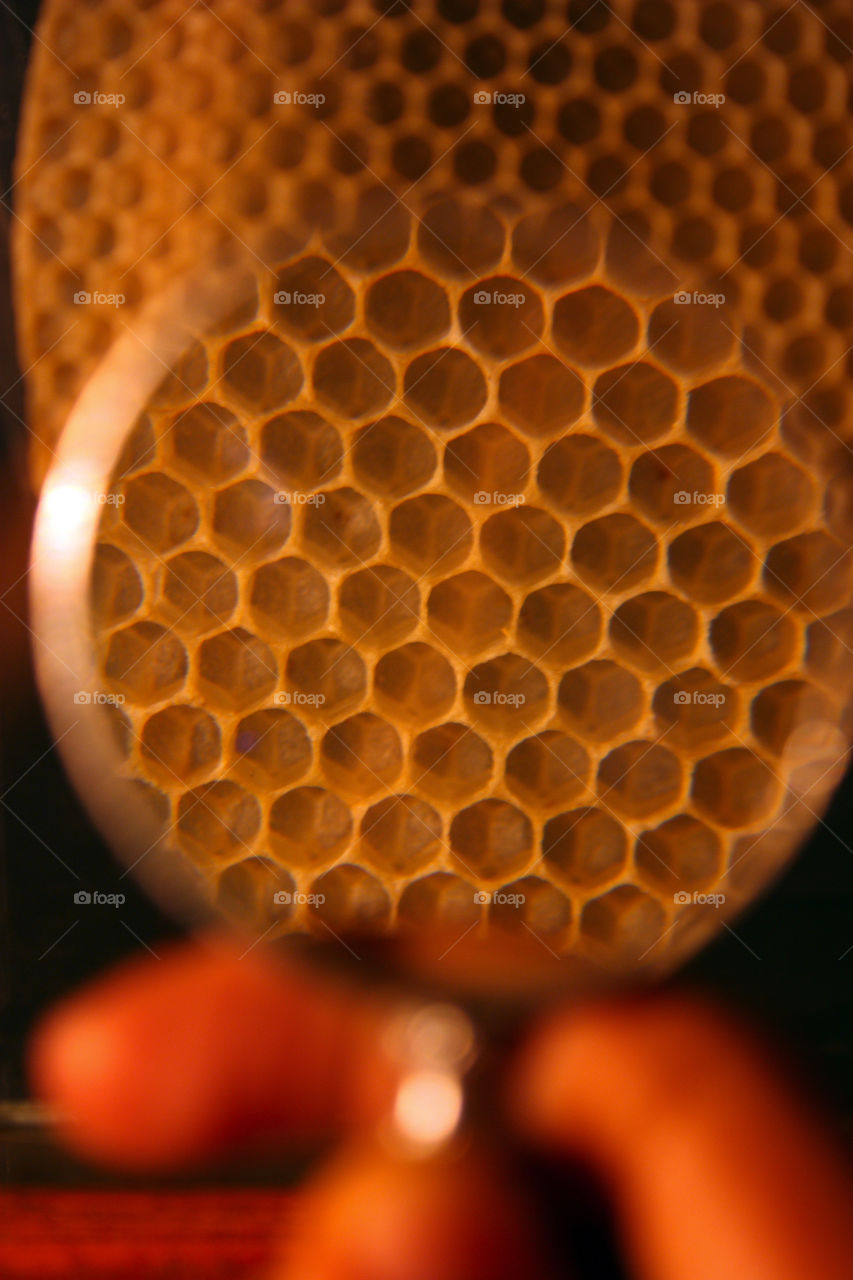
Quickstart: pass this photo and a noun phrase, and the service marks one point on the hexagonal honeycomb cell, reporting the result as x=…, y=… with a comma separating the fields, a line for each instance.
x=353, y=378
x=501, y=316
x=451, y=761
x=393, y=457
x=430, y=533
x=487, y=465
x=770, y=496
x=469, y=611
x=625, y=923
x=731, y=415
x=235, y=667
x=810, y=572
x=349, y=898
x=506, y=691
x=270, y=748
x=182, y=742
x=302, y=448
x=595, y=326
x=580, y=474
x=696, y=709
x=208, y=443
x=548, y=769
x=159, y=510
x=655, y=630
x=600, y=699
x=201, y=590
x=145, y=662
x=639, y=778
x=258, y=889
x=541, y=395
x=534, y=905
x=326, y=676
x=218, y=820
x=400, y=834
x=711, y=563
x=440, y=900
x=559, y=624
x=309, y=827
x=260, y=372
x=735, y=788
x=407, y=309
x=312, y=299
x=584, y=848
x=289, y=596
x=341, y=529
x=466, y=572
x=378, y=605
x=491, y=839
x=753, y=640
x=523, y=545
x=116, y=589
x=682, y=853
x=248, y=520
x=615, y=552
x=635, y=403
x=445, y=388
x=669, y=485
x=414, y=683
x=362, y=755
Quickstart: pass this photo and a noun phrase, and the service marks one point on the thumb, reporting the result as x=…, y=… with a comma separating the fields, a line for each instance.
x=372, y=1216
x=715, y=1166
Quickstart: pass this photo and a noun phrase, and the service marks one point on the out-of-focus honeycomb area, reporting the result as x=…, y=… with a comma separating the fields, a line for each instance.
x=476, y=584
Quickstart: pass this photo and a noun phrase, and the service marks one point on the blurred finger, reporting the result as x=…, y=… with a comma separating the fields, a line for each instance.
x=716, y=1167
x=170, y=1060
x=370, y=1216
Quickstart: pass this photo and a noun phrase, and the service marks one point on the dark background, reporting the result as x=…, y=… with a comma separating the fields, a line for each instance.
x=789, y=967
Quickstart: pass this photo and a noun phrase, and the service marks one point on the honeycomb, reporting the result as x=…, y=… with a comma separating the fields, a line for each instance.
x=566, y=641
x=443, y=615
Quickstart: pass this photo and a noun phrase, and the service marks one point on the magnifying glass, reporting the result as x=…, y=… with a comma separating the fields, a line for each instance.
x=450, y=593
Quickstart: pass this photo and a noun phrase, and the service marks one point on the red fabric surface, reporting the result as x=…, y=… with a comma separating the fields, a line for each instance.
x=138, y=1235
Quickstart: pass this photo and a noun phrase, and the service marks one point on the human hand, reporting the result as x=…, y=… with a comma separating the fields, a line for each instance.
x=715, y=1167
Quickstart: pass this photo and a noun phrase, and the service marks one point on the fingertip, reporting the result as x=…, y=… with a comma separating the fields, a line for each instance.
x=599, y=1059
x=168, y=1061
